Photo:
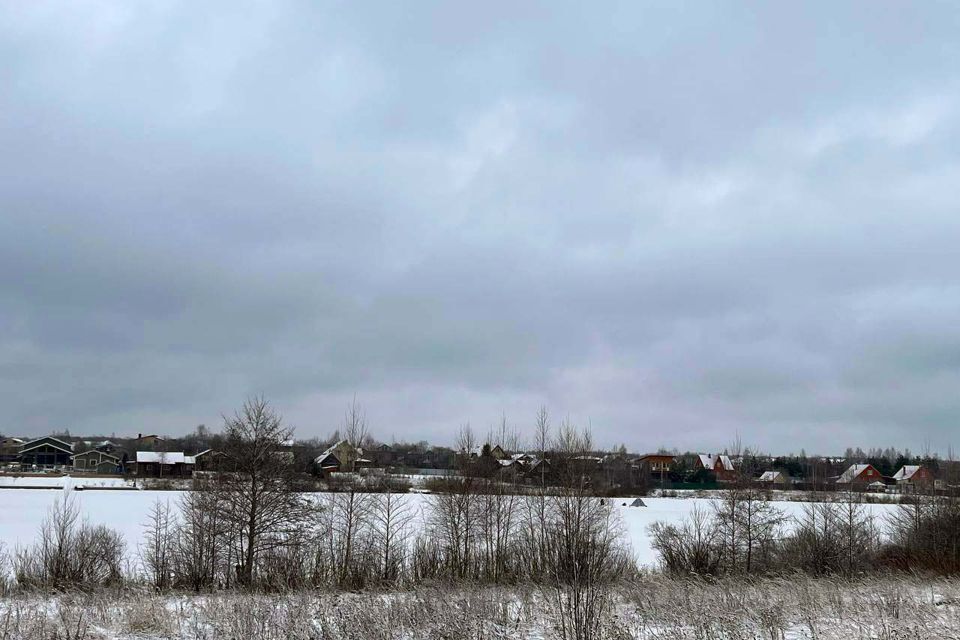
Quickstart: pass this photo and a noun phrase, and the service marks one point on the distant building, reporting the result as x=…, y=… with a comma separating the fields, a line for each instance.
x=912, y=475
x=327, y=462
x=164, y=464
x=860, y=474
x=96, y=461
x=151, y=441
x=774, y=478
x=346, y=455
x=496, y=452
x=10, y=449
x=655, y=465
x=106, y=446
x=46, y=452
x=720, y=465
x=382, y=455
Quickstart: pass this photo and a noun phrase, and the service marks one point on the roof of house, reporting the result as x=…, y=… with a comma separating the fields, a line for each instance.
x=54, y=442
x=709, y=461
x=647, y=456
x=164, y=457
x=332, y=449
x=770, y=476
x=852, y=472
x=101, y=454
x=327, y=458
x=906, y=472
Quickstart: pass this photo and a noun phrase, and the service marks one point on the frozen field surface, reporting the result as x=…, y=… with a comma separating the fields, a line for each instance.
x=126, y=511
x=64, y=482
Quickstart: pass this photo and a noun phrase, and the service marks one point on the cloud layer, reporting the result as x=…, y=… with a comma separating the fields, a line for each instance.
x=674, y=223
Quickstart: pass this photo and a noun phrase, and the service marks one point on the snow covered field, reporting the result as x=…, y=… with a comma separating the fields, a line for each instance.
x=126, y=511
x=654, y=608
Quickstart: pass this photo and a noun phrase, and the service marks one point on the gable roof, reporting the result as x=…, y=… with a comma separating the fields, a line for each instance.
x=164, y=457
x=709, y=461
x=906, y=472
x=327, y=459
x=771, y=476
x=56, y=443
x=101, y=454
x=853, y=472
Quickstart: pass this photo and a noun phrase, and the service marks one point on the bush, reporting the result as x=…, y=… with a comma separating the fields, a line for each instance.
x=71, y=553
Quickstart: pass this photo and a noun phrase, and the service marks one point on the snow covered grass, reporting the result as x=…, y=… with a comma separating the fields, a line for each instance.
x=654, y=608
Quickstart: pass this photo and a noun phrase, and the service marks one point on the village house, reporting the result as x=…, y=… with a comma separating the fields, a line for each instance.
x=326, y=463
x=721, y=466
x=910, y=476
x=655, y=465
x=509, y=470
x=10, y=449
x=106, y=446
x=207, y=460
x=96, y=461
x=777, y=478
x=496, y=452
x=46, y=452
x=860, y=474
x=340, y=456
x=164, y=464
x=150, y=441
x=537, y=471
x=382, y=455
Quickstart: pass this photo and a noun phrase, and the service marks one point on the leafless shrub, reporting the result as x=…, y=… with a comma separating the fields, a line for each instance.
x=748, y=528
x=689, y=548
x=925, y=534
x=832, y=538
x=71, y=553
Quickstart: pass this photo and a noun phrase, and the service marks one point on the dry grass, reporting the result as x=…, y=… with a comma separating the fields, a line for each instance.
x=654, y=608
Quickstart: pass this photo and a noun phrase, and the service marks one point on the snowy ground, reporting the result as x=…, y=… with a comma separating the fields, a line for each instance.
x=653, y=608
x=24, y=509
x=64, y=482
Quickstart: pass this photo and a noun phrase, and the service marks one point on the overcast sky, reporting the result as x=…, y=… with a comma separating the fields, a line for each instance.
x=671, y=222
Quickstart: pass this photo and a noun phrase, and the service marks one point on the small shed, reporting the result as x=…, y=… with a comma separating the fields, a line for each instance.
x=638, y=502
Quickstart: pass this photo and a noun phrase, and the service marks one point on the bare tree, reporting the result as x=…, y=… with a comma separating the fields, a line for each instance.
x=349, y=511
x=259, y=496
x=542, y=439
x=497, y=530
x=585, y=553
x=157, y=550
x=355, y=428
x=202, y=539
x=390, y=518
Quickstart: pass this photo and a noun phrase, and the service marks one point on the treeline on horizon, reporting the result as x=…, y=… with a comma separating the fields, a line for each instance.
x=751, y=460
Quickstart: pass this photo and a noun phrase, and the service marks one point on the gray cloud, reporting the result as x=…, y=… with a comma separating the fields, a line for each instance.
x=673, y=223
